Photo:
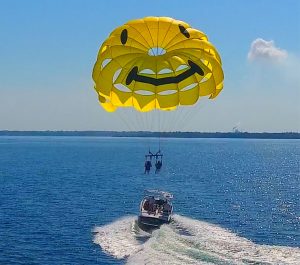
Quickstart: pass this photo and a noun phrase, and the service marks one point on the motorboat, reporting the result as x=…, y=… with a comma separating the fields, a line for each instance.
x=155, y=209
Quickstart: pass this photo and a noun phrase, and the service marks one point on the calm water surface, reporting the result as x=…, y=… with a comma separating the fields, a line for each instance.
x=74, y=200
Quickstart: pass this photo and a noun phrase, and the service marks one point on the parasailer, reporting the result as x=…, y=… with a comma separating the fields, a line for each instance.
x=156, y=63
x=158, y=161
x=148, y=166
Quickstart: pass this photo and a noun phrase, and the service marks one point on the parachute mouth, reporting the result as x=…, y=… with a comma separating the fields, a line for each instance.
x=134, y=76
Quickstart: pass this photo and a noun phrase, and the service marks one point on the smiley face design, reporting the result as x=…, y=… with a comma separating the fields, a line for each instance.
x=156, y=63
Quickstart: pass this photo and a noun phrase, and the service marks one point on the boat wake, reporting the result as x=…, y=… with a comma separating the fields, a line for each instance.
x=186, y=241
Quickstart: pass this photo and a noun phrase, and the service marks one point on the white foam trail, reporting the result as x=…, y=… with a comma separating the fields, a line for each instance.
x=120, y=239
x=187, y=241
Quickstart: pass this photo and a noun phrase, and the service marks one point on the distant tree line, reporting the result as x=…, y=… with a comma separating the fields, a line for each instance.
x=263, y=135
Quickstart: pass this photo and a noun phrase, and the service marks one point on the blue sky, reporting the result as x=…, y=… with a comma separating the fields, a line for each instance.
x=48, y=49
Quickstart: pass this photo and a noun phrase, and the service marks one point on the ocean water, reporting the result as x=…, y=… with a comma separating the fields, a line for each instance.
x=75, y=200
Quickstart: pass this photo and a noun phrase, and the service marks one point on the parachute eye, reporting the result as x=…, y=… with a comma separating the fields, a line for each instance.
x=184, y=31
x=124, y=36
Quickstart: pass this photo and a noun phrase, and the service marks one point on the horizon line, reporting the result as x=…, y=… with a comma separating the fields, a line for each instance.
x=141, y=131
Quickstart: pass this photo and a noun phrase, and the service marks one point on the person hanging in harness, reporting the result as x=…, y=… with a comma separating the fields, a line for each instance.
x=148, y=166
x=158, y=165
x=148, y=163
x=158, y=161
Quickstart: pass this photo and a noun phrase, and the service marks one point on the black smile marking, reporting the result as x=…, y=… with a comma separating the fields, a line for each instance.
x=134, y=76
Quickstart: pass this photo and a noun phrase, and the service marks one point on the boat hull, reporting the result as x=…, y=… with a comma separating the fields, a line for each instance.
x=150, y=223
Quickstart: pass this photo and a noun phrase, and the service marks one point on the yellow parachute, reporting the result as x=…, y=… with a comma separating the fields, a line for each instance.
x=156, y=63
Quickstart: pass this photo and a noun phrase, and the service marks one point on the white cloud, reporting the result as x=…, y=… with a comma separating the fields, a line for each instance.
x=262, y=49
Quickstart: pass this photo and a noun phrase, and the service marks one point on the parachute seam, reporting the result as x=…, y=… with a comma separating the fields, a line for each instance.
x=187, y=40
x=179, y=33
x=124, y=45
x=197, y=48
x=113, y=88
x=157, y=38
x=140, y=35
x=150, y=36
x=167, y=31
x=119, y=57
x=170, y=64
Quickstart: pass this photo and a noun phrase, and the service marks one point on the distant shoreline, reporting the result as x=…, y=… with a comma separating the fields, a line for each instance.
x=244, y=135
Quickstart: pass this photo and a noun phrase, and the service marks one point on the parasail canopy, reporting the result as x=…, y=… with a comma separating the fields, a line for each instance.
x=156, y=63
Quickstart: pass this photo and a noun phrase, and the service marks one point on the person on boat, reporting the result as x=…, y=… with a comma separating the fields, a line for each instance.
x=148, y=166
x=151, y=204
x=167, y=208
x=146, y=205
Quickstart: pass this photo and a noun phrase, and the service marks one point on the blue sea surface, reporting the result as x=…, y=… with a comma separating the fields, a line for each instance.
x=75, y=200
